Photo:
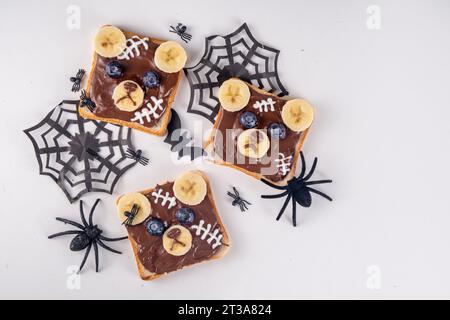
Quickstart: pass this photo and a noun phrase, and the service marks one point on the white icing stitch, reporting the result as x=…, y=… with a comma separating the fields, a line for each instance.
x=165, y=198
x=265, y=105
x=132, y=48
x=283, y=163
x=149, y=112
x=204, y=232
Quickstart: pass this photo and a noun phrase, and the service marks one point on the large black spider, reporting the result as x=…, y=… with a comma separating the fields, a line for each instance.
x=88, y=236
x=298, y=189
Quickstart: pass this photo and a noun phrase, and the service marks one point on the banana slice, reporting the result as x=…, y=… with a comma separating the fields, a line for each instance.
x=297, y=115
x=234, y=95
x=170, y=57
x=177, y=240
x=190, y=188
x=253, y=143
x=109, y=42
x=128, y=96
x=142, y=208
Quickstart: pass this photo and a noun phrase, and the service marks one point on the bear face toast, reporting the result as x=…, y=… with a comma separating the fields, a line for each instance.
x=133, y=80
x=257, y=132
x=174, y=225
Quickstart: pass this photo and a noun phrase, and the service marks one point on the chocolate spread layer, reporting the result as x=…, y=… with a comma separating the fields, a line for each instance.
x=150, y=250
x=102, y=86
x=230, y=120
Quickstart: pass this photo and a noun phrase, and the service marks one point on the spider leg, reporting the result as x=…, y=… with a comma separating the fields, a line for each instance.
x=96, y=255
x=302, y=173
x=83, y=219
x=294, y=212
x=101, y=244
x=273, y=196
x=313, y=168
x=92, y=211
x=284, y=207
x=73, y=223
x=273, y=185
x=320, y=193
x=310, y=183
x=85, y=257
x=112, y=239
x=64, y=233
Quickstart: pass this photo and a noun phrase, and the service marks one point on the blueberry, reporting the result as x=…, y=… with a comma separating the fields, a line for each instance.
x=185, y=215
x=248, y=120
x=155, y=226
x=150, y=79
x=277, y=130
x=114, y=69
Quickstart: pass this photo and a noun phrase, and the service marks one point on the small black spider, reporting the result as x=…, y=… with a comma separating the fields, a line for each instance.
x=88, y=236
x=77, y=80
x=180, y=30
x=137, y=155
x=298, y=189
x=131, y=215
x=238, y=201
x=85, y=101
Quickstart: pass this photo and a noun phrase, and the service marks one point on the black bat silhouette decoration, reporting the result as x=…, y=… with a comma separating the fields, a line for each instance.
x=180, y=141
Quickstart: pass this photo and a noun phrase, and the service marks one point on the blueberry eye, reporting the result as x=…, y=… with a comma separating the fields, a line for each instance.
x=248, y=120
x=114, y=69
x=151, y=79
x=277, y=131
x=185, y=215
x=155, y=227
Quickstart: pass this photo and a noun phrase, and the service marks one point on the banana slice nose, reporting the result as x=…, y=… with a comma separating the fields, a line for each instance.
x=177, y=240
x=190, y=188
x=297, y=115
x=128, y=96
x=253, y=143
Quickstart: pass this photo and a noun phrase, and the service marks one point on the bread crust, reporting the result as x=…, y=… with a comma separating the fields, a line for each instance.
x=208, y=145
x=148, y=275
x=159, y=129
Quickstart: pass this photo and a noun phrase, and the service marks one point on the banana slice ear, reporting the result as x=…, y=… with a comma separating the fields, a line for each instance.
x=128, y=96
x=234, y=95
x=190, y=188
x=297, y=115
x=125, y=207
x=170, y=57
x=109, y=41
x=253, y=143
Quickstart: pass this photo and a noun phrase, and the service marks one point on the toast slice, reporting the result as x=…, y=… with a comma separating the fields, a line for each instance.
x=100, y=88
x=210, y=240
x=269, y=167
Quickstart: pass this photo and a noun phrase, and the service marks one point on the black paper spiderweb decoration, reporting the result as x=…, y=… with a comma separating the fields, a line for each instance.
x=80, y=155
x=239, y=55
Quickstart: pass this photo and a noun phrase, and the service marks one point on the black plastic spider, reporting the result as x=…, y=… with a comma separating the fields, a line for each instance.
x=238, y=201
x=137, y=155
x=89, y=236
x=180, y=30
x=85, y=101
x=77, y=80
x=131, y=215
x=298, y=189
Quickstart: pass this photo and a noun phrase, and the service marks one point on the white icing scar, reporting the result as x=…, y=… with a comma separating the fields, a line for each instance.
x=265, y=105
x=165, y=198
x=205, y=232
x=283, y=163
x=132, y=48
x=149, y=112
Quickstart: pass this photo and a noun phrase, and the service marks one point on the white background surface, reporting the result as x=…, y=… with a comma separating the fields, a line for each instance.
x=381, y=132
